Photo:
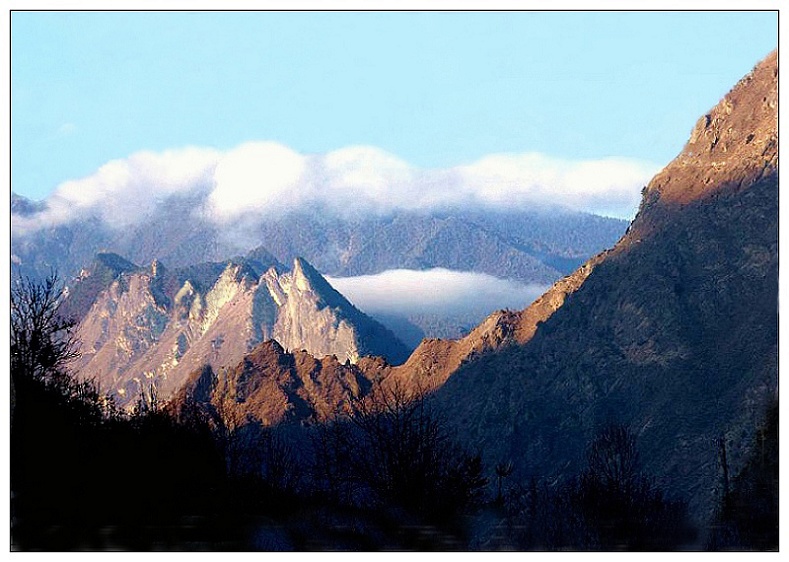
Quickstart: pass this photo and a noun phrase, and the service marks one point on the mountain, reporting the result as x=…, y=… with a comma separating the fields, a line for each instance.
x=92, y=280
x=275, y=386
x=672, y=332
x=23, y=206
x=530, y=246
x=150, y=326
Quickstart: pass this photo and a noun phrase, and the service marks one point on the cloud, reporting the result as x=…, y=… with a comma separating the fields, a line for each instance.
x=365, y=177
x=256, y=176
x=239, y=185
x=610, y=186
x=122, y=192
x=434, y=291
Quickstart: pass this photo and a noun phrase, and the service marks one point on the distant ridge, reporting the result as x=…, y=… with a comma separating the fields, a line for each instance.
x=529, y=246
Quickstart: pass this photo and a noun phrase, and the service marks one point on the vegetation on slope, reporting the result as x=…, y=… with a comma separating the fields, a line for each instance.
x=389, y=474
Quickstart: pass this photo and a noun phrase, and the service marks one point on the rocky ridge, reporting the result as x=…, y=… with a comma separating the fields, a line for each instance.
x=273, y=386
x=151, y=327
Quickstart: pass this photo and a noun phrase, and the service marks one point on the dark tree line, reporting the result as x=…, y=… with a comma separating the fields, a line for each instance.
x=87, y=475
x=388, y=475
x=748, y=515
x=611, y=505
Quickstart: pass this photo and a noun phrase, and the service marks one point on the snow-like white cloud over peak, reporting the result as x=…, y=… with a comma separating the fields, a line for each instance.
x=122, y=192
x=259, y=178
x=256, y=176
x=366, y=175
x=609, y=186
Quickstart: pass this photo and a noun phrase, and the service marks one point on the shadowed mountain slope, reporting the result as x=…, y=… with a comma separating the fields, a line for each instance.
x=673, y=332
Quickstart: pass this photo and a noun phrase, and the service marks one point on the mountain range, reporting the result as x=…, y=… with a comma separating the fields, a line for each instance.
x=145, y=330
x=671, y=333
x=530, y=246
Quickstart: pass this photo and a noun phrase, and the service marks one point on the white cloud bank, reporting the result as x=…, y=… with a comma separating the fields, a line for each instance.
x=435, y=291
x=265, y=177
x=123, y=192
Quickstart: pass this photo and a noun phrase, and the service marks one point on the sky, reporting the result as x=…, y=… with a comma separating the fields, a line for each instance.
x=433, y=91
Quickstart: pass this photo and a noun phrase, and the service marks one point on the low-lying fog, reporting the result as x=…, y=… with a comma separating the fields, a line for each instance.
x=433, y=303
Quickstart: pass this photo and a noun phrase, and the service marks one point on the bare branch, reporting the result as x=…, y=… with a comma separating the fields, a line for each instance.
x=42, y=341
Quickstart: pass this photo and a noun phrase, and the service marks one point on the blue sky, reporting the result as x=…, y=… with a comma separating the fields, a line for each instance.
x=434, y=89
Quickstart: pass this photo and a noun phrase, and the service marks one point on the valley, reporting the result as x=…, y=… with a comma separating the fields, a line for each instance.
x=526, y=378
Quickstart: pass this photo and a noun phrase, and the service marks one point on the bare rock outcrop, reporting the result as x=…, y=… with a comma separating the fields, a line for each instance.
x=145, y=331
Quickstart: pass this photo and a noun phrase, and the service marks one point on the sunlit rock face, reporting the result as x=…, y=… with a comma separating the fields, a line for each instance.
x=150, y=328
x=272, y=386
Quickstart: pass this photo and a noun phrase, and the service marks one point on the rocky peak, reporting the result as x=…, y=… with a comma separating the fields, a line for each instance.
x=307, y=278
x=301, y=278
x=22, y=206
x=733, y=146
x=313, y=314
x=262, y=256
x=157, y=269
x=734, y=143
x=272, y=385
x=111, y=263
x=161, y=326
x=106, y=268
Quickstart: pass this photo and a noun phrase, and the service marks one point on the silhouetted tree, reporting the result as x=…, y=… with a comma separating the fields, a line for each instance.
x=80, y=468
x=613, y=504
x=42, y=343
x=408, y=456
x=748, y=514
x=394, y=457
x=335, y=447
x=503, y=470
x=622, y=507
